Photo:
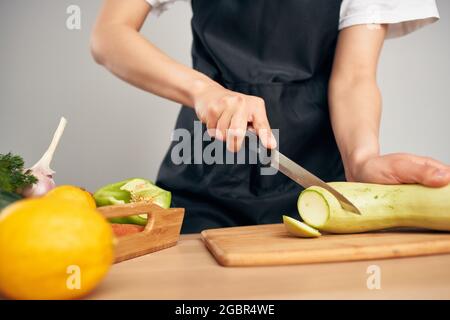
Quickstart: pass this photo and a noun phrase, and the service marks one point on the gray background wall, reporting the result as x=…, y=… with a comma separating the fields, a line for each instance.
x=116, y=131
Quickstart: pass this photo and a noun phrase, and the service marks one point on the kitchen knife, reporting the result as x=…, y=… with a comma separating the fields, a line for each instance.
x=300, y=175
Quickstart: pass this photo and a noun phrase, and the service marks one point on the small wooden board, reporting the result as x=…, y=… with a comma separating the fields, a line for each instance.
x=162, y=229
x=266, y=245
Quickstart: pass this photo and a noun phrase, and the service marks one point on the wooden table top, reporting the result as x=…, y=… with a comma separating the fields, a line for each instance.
x=188, y=271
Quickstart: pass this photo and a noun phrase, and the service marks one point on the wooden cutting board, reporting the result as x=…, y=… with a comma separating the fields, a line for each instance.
x=265, y=245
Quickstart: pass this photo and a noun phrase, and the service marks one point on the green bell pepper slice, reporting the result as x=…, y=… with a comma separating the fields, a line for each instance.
x=129, y=191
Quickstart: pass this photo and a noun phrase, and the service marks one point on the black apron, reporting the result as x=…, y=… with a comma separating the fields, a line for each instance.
x=281, y=51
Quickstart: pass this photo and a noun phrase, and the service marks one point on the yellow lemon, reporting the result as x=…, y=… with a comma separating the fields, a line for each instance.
x=52, y=249
x=72, y=194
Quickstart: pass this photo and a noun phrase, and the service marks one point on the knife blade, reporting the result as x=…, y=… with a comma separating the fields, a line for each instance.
x=302, y=176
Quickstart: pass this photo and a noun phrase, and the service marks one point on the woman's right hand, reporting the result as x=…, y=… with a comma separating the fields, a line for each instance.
x=117, y=44
x=228, y=114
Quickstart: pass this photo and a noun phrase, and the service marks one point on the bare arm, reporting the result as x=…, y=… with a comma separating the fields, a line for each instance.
x=117, y=44
x=355, y=110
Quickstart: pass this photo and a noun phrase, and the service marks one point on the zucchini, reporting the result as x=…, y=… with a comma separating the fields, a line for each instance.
x=299, y=229
x=381, y=206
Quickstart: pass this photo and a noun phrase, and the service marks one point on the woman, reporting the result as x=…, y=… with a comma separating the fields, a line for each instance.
x=306, y=68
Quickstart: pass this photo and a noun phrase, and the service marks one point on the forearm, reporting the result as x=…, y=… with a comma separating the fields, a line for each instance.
x=355, y=110
x=131, y=57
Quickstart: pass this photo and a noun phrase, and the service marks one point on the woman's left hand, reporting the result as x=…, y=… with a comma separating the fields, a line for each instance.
x=400, y=168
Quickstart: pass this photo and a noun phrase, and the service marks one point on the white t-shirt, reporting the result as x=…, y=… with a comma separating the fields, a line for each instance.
x=402, y=16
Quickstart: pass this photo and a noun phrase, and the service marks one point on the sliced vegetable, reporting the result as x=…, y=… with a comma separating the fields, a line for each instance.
x=112, y=194
x=12, y=175
x=129, y=191
x=145, y=190
x=121, y=230
x=299, y=229
x=382, y=207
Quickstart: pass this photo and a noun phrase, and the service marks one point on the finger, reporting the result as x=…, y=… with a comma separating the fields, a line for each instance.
x=236, y=133
x=262, y=127
x=429, y=161
x=224, y=123
x=436, y=177
x=408, y=171
x=435, y=174
x=201, y=115
x=213, y=115
x=211, y=126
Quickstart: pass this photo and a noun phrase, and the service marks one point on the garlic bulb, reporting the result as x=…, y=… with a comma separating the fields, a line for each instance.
x=41, y=170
